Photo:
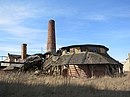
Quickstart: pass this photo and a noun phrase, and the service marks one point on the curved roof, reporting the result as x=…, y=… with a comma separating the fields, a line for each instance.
x=83, y=58
x=84, y=45
x=88, y=58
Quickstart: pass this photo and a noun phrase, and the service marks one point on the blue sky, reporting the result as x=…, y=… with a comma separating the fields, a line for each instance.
x=103, y=22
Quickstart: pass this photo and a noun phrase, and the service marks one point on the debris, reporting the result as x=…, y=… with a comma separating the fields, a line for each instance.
x=8, y=68
x=32, y=63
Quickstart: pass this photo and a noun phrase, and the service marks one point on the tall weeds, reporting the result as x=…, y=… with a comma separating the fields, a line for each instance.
x=30, y=85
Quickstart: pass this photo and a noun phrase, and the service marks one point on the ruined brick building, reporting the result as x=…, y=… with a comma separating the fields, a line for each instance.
x=87, y=60
x=127, y=64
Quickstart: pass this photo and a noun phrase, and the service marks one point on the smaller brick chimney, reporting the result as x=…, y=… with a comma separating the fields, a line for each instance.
x=23, y=51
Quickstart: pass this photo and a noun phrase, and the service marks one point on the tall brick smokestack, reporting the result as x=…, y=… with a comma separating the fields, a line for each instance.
x=51, y=40
x=23, y=51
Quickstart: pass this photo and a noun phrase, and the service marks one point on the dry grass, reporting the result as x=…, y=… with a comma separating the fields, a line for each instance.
x=30, y=85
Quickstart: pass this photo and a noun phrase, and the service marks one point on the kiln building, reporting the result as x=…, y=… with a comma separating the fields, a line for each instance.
x=79, y=60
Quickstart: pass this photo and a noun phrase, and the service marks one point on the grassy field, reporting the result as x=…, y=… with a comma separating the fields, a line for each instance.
x=30, y=85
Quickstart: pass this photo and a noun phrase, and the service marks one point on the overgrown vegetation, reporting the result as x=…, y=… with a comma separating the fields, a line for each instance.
x=30, y=85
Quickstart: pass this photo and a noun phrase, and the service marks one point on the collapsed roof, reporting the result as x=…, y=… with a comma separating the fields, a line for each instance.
x=82, y=58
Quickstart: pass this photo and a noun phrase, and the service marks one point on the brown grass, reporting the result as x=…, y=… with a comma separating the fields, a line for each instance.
x=30, y=85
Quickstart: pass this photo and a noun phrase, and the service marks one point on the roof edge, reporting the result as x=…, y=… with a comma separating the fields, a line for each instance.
x=92, y=45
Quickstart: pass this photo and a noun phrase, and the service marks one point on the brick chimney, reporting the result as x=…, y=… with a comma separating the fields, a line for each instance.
x=23, y=51
x=51, y=40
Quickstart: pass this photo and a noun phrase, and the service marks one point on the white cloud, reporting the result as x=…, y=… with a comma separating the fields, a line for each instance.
x=16, y=48
x=113, y=34
x=119, y=12
x=21, y=31
x=96, y=17
x=15, y=13
x=12, y=14
x=23, y=35
x=122, y=12
x=10, y=48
